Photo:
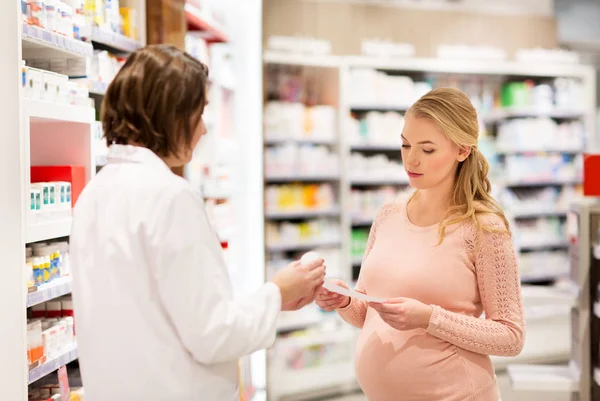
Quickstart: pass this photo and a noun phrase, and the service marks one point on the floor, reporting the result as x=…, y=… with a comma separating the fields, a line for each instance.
x=507, y=394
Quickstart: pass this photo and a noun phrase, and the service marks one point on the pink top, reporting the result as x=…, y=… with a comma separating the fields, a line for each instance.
x=469, y=273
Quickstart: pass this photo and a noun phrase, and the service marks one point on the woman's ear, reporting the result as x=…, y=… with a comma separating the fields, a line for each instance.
x=463, y=153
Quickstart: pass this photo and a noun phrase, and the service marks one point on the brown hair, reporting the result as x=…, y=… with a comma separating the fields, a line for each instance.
x=156, y=100
x=452, y=111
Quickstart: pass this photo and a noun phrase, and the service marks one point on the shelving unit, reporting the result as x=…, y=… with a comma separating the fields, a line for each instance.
x=48, y=292
x=52, y=365
x=197, y=21
x=580, y=376
x=113, y=42
x=41, y=133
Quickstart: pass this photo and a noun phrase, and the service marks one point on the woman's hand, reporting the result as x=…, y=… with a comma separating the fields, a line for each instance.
x=404, y=313
x=330, y=301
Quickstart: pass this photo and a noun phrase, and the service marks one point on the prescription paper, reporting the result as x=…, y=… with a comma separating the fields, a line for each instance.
x=333, y=287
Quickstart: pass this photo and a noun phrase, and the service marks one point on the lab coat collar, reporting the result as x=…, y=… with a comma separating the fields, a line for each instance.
x=134, y=154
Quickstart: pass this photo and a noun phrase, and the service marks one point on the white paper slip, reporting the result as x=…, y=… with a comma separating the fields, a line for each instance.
x=333, y=287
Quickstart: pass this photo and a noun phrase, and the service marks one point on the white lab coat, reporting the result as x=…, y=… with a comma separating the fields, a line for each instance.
x=154, y=310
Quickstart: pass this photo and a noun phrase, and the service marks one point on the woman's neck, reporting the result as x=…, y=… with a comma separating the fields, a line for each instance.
x=436, y=198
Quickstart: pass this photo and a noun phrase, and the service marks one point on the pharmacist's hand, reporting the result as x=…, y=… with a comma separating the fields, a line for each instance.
x=298, y=283
x=330, y=301
x=404, y=313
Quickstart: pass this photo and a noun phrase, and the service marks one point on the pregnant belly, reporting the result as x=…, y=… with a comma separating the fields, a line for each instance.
x=393, y=365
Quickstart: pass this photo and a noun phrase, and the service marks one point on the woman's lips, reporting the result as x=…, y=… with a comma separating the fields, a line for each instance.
x=413, y=175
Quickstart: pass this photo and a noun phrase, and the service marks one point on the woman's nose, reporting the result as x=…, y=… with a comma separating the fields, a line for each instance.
x=412, y=160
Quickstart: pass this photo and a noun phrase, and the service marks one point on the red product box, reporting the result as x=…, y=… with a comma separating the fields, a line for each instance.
x=591, y=174
x=74, y=174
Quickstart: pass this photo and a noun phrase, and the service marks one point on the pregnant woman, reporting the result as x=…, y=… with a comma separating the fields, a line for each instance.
x=441, y=258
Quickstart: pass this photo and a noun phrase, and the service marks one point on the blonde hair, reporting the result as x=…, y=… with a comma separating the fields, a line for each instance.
x=452, y=111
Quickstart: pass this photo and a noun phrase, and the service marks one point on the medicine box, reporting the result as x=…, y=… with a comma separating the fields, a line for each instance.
x=74, y=175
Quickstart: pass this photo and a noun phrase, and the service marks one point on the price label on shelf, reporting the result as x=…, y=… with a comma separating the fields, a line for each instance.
x=63, y=383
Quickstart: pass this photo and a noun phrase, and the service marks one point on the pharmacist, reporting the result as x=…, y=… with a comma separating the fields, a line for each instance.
x=155, y=316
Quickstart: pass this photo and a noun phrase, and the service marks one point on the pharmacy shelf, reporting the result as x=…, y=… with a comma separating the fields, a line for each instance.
x=300, y=141
x=543, y=378
x=302, y=246
x=344, y=335
x=364, y=108
x=301, y=178
x=357, y=261
x=515, y=151
x=364, y=182
x=50, y=366
x=218, y=195
x=532, y=214
x=306, y=60
x=472, y=67
x=543, y=245
x=541, y=183
x=113, y=42
x=317, y=380
x=212, y=32
x=40, y=43
x=58, y=112
x=543, y=276
x=302, y=214
x=503, y=114
x=51, y=230
x=376, y=147
x=46, y=292
x=360, y=222
x=302, y=320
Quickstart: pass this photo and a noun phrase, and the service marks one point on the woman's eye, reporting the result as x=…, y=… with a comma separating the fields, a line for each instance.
x=405, y=146
x=428, y=151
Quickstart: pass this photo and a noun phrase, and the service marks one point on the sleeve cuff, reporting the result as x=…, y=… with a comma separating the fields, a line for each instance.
x=272, y=291
x=345, y=308
x=434, y=319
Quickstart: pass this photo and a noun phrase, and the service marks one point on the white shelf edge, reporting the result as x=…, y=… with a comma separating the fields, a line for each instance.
x=544, y=245
x=375, y=147
x=52, y=290
x=523, y=214
x=303, y=246
x=58, y=112
x=295, y=214
x=541, y=276
x=50, y=366
x=292, y=178
x=306, y=141
x=507, y=151
x=378, y=107
x=376, y=182
x=543, y=378
x=541, y=183
x=115, y=41
x=50, y=230
x=356, y=261
x=473, y=67
x=302, y=322
x=307, y=60
x=35, y=38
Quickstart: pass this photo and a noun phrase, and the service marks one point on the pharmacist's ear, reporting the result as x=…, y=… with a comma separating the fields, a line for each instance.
x=463, y=153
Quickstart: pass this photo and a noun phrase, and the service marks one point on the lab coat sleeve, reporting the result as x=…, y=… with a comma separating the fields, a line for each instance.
x=195, y=291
